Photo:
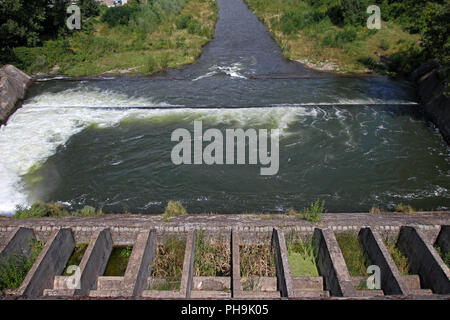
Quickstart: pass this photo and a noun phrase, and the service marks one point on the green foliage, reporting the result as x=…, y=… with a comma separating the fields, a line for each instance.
x=118, y=261
x=121, y=15
x=55, y=210
x=89, y=8
x=211, y=259
x=76, y=257
x=315, y=212
x=168, y=263
x=353, y=253
x=399, y=258
x=173, y=209
x=15, y=268
x=445, y=256
x=302, y=259
x=183, y=20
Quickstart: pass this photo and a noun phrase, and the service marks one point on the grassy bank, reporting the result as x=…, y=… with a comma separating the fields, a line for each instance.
x=307, y=34
x=136, y=39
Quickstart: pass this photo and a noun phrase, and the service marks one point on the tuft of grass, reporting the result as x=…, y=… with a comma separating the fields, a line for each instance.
x=302, y=258
x=405, y=208
x=15, y=268
x=168, y=264
x=55, y=210
x=173, y=209
x=353, y=253
x=399, y=258
x=313, y=213
x=212, y=259
x=375, y=210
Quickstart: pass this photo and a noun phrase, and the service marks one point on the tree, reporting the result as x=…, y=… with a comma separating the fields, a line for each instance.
x=89, y=8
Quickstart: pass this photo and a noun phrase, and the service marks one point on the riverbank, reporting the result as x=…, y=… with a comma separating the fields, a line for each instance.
x=103, y=49
x=322, y=45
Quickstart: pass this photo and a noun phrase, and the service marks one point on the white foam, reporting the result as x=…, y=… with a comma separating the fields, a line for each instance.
x=233, y=71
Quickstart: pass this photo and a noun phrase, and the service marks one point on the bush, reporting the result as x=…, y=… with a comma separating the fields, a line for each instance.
x=122, y=15
x=183, y=20
x=194, y=27
x=315, y=212
x=173, y=209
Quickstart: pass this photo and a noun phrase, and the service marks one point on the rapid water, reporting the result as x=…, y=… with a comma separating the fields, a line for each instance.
x=353, y=142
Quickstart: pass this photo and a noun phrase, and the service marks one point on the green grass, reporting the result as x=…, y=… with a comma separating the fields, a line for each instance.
x=173, y=209
x=168, y=263
x=76, y=257
x=14, y=269
x=302, y=259
x=313, y=213
x=212, y=259
x=353, y=253
x=55, y=210
x=399, y=258
x=118, y=261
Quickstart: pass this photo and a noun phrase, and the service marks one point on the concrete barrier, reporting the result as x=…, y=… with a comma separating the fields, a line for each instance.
x=50, y=262
x=188, y=265
x=331, y=264
x=443, y=239
x=140, y=264
x=283, y=271
x=424, y=260
x=391, y=280
x=18, y=244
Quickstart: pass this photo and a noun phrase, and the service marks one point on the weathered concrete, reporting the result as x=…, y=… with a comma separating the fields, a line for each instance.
x=235, y=265
x=283, y=270
x=331, y=264
x=443, y=239
x=140, y=264
x=435, y=104
x=50, y=262
x=13, y=86
x=188, y=265
x=391, y=280
x=18, y=244
x=424, y=260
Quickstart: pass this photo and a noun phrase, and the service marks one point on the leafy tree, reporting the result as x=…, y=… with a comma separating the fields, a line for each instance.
x=89, y=8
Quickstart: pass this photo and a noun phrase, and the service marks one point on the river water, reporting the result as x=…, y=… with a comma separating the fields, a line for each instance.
x=353, y=142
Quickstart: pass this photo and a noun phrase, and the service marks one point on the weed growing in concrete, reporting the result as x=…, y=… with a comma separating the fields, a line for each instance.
x=54, y=210
x=173, y=209
x=405, y=208
x=399, y=258
x=353, y=253
x=445, y=256
x=257, y=259
x=212, y=259
x=302, y=259
x=314, y=213
x=15, y=268
x=76, y=257
x=118, y=261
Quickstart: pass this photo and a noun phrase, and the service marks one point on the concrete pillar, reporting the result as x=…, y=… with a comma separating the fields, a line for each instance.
x=284, y=277
x=140, y=264
x=236, y=265
x=50, y=262
x=331, y=264
x=94, y=261
x=443, y=239
x=424, y=260
x=188, y=265
x=391, y=280
x=18, y=244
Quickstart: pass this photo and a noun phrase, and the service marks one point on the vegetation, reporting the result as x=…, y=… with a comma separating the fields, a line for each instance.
x=445, y=256
x=14, y=269
x=405, y=208
x=168, y=264
x=399, y=258
x=212, y=259
x=55, y=210
x=302, y=259
x=257, y=260
x=118, y=261
x=353, y=253
x=314, y=213
x=134, y=38
x=332, y=35
x=76, y=257
x=173, y=209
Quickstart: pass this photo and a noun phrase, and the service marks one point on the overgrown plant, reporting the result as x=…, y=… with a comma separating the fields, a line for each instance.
x=399, y=258
x=212, y=259
x=302, y=259
x=55, y=210
x=173, y=209
x=353, y=253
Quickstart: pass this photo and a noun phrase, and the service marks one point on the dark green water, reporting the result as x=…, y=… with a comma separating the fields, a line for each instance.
x=353, y=142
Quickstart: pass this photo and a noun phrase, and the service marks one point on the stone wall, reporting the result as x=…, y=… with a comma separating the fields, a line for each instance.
x=430, y=91
x=13, y=86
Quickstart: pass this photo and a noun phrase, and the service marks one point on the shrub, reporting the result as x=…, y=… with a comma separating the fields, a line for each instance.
x=194, y=27
x=122, y=15
x=173, y=209
x=315, y=212
x=183, y=21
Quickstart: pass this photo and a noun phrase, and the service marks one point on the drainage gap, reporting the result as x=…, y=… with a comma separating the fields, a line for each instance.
x=302, y=260
x=168, y=265
x=75, y=258
x=258, y=267
x=118, y=261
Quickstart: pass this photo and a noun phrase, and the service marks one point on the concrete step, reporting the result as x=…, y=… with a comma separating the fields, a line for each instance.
x=109, y=283
x=412, y=281
x=105, y=293
x=259, y=283
x=59, y=292
x=211, y=283
x=258, y=295
x=369, y=293
x=356, y=280
x=421, y=292
x=160, y=294
x=311, y=294
x=308, y=283
x=196, y=294
x=60, y=282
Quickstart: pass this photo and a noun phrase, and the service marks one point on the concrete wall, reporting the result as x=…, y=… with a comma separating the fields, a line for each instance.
x=424, y=260
x=50, y=262
x=18, y=244
x=443, y=239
